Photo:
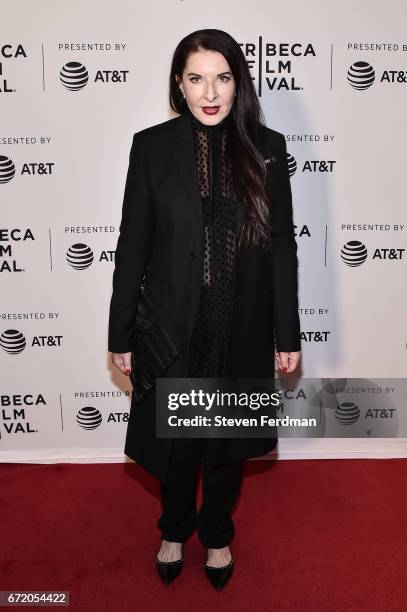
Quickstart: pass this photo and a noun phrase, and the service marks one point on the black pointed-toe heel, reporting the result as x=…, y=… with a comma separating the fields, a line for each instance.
x=219, y=576
x=169, y=570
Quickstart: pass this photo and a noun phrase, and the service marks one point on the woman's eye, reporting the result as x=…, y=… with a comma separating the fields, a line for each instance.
x=224, y=79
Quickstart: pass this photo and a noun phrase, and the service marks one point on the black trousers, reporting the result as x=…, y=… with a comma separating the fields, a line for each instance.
x=220, y=488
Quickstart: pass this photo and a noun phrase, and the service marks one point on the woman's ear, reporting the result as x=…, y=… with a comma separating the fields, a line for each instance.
x=179, y=84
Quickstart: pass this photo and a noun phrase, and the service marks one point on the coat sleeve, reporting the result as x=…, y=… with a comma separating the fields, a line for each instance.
x=133, y=251
x=284, y=262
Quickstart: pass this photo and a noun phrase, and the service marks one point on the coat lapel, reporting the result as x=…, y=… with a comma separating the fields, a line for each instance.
x=184, y=155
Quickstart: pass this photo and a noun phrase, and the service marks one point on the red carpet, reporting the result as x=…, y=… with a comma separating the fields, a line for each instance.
x=310, y=536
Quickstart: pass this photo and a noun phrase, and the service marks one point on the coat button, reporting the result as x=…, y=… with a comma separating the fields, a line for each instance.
x=193, y=254
x=188, y=299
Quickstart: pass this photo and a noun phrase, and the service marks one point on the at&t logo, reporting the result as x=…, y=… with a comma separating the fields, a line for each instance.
x=89, y=417
x=7, y=169
x=80, y=256
x=311, y=166
x=13, y=341
x=354, y=253
x=75, y=76
x=361, y=76
x=347, y=413
x=292, y=164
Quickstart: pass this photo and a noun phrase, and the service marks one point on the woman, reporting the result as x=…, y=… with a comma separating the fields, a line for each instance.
x=207, y=227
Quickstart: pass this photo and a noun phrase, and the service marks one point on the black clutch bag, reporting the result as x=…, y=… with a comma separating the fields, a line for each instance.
x=152, y=349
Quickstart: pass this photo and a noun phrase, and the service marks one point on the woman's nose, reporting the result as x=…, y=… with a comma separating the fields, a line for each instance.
x=210, y=93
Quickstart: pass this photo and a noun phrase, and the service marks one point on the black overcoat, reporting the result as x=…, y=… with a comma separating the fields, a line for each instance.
x=161, y=243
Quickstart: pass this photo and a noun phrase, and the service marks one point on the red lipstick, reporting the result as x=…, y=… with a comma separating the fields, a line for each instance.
x=210, y=110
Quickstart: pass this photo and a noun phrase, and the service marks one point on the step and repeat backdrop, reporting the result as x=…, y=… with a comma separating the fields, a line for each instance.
x=76, y=81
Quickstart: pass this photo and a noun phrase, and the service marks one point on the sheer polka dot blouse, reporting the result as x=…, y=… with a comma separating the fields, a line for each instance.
x=212, y=325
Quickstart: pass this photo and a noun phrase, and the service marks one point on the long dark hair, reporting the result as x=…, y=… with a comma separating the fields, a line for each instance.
x=249, y=169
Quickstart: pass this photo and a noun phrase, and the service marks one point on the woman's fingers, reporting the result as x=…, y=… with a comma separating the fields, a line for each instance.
x=127, y=362
x=287, y=362
x=278, y=359
x=293, y=361
x=122, y=361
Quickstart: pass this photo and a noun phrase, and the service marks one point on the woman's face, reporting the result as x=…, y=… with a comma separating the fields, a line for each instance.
x=208, y=85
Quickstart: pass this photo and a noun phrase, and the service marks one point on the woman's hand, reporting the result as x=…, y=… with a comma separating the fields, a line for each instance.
x=287, y=362
x=122, y=361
